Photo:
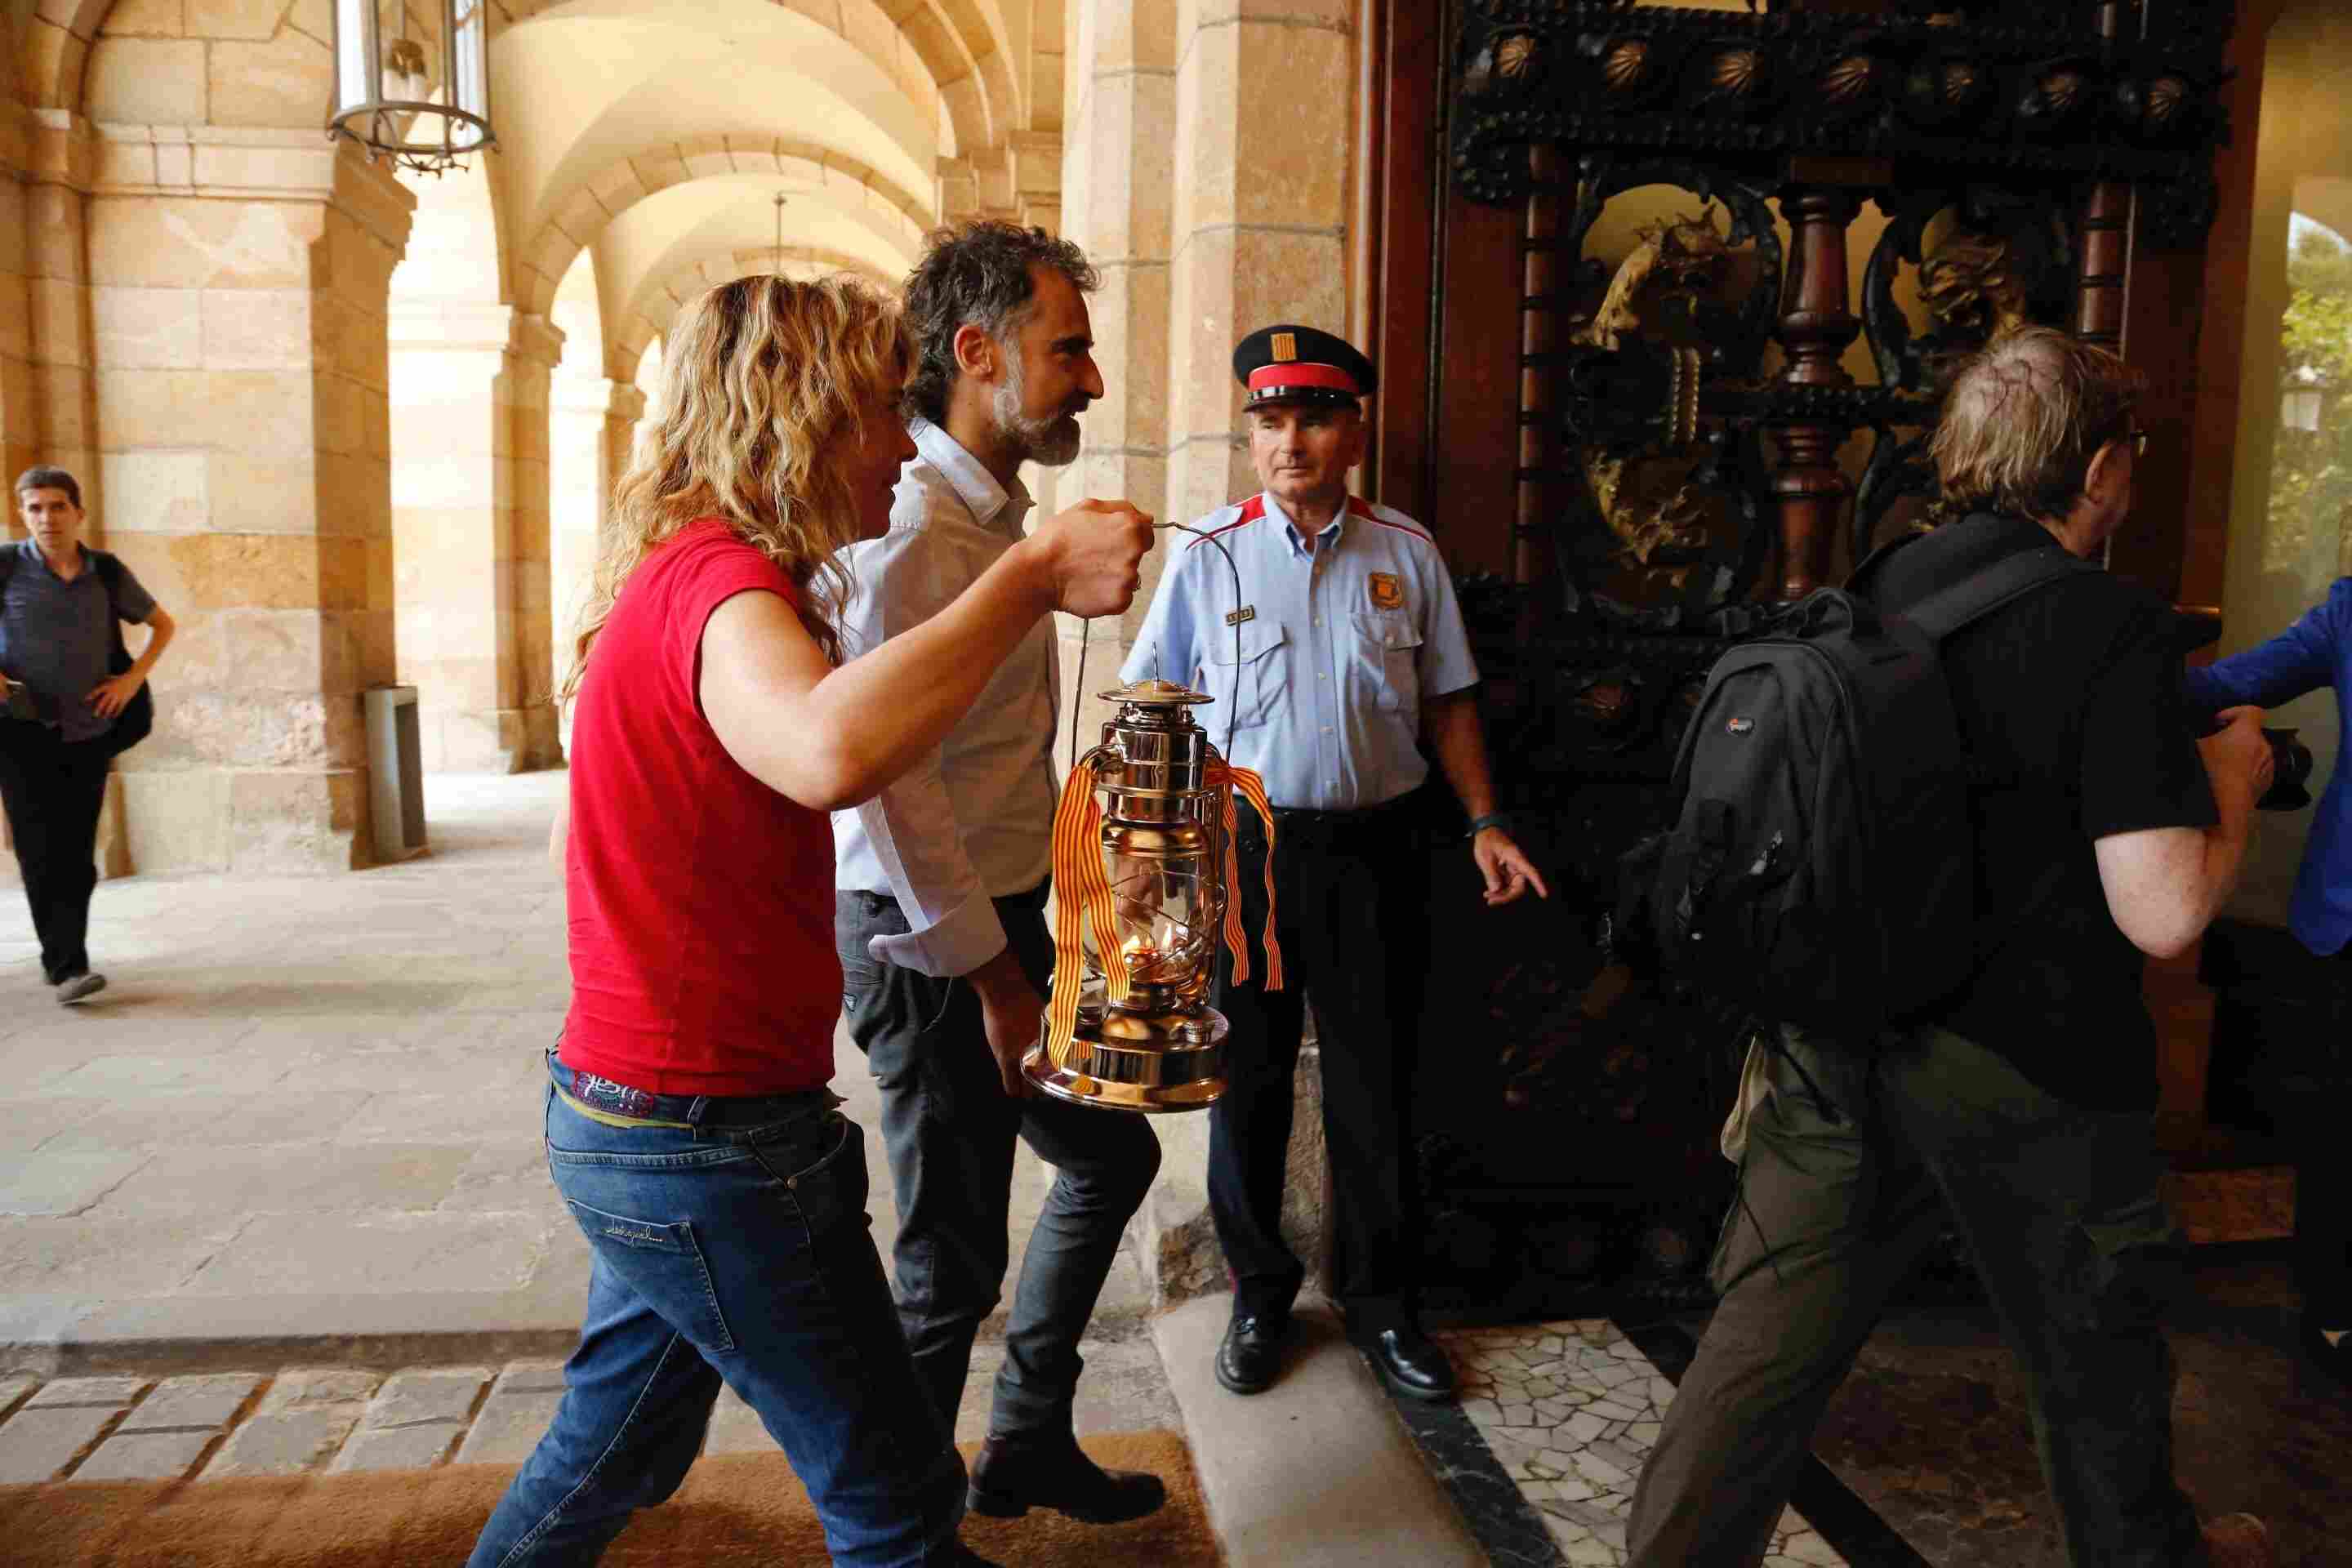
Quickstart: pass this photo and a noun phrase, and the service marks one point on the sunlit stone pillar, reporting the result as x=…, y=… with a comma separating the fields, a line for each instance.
x=469, y=444
x=591, y=423
x=236, y=290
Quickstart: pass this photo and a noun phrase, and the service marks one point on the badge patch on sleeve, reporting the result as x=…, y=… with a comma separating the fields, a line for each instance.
x=1388, y=591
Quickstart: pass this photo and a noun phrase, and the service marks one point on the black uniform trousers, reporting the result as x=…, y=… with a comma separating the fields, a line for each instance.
x=1352, y=908
x=53, y=790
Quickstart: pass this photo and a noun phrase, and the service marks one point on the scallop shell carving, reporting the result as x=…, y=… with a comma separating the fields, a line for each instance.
x=2061, y=91
x=1735, y=72
x=1849, y=78
x=1514, y=56
x=2166, y=95
x=1960, y=79
x=1626, y=66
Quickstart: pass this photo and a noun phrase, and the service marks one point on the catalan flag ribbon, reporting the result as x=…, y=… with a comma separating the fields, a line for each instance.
x=1227, y=781
x=1082, y=898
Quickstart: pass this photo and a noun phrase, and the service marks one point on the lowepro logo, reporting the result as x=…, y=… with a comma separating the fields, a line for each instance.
x=1738, y=726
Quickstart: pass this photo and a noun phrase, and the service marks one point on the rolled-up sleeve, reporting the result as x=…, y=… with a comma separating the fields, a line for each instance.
x=911, y=826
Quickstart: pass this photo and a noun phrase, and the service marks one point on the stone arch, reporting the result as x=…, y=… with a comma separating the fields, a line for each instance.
x=648, y=320
x=544, y=261
x=961, y=52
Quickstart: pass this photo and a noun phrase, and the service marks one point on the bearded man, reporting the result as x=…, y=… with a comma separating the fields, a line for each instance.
x=942, y=879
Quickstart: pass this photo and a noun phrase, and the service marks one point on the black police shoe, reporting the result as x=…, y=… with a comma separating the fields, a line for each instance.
x=1013, y=1475
x=1250, y=1355
x=1409, y=1363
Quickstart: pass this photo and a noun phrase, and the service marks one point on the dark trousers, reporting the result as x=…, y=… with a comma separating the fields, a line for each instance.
x=53, y=790
x=2319, y=1095
x=1352, y=896
x=950, y=1131
x=2061, y=1212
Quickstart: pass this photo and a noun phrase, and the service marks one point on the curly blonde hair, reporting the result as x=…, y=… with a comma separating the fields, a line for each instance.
x=764, y=376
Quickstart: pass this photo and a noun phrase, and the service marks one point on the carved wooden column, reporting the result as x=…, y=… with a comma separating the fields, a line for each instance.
x=1539, y=285
x=2104, y=252
x=1816, y=326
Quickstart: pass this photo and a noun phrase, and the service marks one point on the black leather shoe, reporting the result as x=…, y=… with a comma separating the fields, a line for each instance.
x=1250, y=1355
x=1013, y=1475
x=1411, y=1363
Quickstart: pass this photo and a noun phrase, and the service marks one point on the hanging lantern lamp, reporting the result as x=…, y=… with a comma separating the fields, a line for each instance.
x=399, y=96
x=1146, y=893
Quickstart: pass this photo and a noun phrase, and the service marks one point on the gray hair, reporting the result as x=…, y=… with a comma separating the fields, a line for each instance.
x=2025, y=416
x=977, y=273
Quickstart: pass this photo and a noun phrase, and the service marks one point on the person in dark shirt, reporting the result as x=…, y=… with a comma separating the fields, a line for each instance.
x=58, y=604
x=2018, y=1105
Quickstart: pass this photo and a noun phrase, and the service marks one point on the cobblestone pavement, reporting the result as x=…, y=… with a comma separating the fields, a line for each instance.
x=303, y=1124
x=328, y=1419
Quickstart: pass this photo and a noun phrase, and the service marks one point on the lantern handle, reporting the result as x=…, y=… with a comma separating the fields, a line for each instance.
x=1077, y=694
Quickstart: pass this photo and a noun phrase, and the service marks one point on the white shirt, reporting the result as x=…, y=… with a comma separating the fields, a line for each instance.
x=974, y=820
x=1320, y=693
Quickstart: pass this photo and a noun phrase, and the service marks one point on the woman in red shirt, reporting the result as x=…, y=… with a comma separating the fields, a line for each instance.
x=688, y=1124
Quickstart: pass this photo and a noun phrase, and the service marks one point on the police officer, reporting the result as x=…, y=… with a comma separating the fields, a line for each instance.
x=1342, y=648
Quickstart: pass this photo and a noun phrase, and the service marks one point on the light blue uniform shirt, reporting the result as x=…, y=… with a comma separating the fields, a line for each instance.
x=1323, y=700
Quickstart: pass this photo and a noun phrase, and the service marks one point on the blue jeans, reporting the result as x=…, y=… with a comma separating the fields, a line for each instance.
x=734, y=1246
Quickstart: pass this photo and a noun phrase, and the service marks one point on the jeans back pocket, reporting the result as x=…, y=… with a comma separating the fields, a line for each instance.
x=663, y=1263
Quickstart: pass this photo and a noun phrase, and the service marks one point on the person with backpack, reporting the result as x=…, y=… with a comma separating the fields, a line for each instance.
x=2010, y=1091
x=76, y=700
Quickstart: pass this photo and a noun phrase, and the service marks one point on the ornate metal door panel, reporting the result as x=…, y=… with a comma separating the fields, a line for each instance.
x=1683, y=416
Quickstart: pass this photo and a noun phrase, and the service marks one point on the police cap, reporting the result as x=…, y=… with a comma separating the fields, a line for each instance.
x=1302, y=364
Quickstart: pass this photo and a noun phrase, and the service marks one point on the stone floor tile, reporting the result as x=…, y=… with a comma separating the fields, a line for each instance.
x=202, y=1122
x=395, y=1448
x=14, y=1388
x=36, y=1444
x=377, y=1253
x=421, y=1394
x=144, y=1456
x=529, y=1377
x=283, y=1442
x=508, y=1427
x=62, y=1184
x=99, y=1393
x=239, y=1179
x=310, y=1388
x=198, y=1404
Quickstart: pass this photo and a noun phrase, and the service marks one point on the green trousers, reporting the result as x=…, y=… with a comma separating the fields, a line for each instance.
x=1851, y=1165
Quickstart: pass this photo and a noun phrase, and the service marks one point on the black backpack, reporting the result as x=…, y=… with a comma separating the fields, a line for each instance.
x=1820, y=870
x=137, y=719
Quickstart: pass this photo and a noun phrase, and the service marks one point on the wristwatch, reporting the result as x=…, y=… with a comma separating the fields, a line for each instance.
x=1492, y=819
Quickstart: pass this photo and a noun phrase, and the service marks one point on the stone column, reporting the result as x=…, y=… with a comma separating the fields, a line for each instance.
x=236, y=288
x=1207, y=225
x=625, y=416
x=591, y=422
x=469, y=435
x=1118, y=184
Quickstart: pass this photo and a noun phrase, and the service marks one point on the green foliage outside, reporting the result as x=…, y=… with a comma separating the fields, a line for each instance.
x=2311, y=471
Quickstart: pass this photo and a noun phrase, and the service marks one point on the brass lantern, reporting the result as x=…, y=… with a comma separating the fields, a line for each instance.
x=1145, y=891
x=415, y=92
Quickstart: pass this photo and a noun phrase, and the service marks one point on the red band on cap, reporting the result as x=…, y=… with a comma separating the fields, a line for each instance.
x=1298, y=374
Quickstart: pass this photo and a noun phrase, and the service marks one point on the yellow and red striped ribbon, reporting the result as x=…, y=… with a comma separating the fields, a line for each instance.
x=1082, y=897
x=1227, y=779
